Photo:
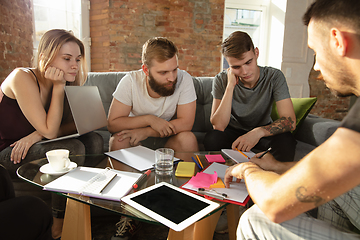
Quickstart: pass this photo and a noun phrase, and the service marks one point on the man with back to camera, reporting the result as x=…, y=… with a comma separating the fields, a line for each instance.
x=154, y=107
x=243, y=97
x=327, y=179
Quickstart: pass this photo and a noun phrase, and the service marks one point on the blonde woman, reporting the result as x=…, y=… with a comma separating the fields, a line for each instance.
x=35, y=96
x=32, y=106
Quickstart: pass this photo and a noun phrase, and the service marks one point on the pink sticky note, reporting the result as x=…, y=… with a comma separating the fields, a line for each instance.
x=215, y=158
x=203, y=180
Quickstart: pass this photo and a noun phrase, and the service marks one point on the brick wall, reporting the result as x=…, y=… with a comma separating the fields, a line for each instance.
x=119, y=28
x=16, y=29
x=99, y=33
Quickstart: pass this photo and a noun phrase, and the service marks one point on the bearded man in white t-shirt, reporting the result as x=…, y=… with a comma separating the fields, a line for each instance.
x=154, y=106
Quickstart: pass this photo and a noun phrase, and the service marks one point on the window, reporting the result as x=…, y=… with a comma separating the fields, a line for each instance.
x=65, y=14
x=245, y=20
x=264, y=21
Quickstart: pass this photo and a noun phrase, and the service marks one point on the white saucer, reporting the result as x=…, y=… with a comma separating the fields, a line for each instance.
x=47, y=169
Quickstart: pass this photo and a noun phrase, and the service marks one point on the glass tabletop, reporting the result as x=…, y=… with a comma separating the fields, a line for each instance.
x=30, y=172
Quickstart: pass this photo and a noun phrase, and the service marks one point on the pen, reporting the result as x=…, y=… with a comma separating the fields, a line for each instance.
x=265, y=152
x=215, y=194
x=196, y=163
x=242, y=153
x=141, y=179
x=108, y=183
x=199, y=161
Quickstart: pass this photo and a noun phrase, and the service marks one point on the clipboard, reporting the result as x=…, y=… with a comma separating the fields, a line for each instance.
x=236, y=194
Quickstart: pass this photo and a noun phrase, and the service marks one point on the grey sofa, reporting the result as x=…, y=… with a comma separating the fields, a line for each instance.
x=310, y=134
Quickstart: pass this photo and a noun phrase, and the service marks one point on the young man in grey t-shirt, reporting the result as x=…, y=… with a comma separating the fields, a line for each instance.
x=243, y=97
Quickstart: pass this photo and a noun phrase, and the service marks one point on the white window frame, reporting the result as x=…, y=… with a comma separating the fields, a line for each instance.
x=84, y=30
x=260, y=6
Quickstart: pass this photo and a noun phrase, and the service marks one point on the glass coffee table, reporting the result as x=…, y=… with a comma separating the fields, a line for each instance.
x=77, y=220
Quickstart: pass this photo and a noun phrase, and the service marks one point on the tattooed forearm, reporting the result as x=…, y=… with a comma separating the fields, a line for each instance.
x=281, y=125
x=302, y=197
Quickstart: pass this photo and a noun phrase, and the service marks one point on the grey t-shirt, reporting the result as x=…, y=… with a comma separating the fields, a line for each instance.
x=251, y=108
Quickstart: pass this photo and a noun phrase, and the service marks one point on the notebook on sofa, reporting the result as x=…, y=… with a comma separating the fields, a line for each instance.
x=86, y=108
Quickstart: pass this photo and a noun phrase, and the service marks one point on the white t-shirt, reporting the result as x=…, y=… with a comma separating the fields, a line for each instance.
x=132, y=91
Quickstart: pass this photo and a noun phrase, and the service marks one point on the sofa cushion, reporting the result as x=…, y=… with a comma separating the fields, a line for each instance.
x=202, y=124
x=302, y=107
x=203, y=87
x=315, y=130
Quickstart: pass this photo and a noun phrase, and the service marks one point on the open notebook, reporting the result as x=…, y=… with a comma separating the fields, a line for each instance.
x=95, y=182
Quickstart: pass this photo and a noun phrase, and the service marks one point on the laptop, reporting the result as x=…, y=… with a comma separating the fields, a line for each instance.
x=86, y=108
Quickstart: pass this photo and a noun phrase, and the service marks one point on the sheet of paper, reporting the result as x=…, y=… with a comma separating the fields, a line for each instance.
x=139, y=157
x=237, y=191
x=236, y=156
x=215, y=158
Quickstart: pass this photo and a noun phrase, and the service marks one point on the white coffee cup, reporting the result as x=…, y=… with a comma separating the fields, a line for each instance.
x=58, y=159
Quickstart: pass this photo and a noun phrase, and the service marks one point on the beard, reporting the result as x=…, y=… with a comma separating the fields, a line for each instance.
x=161, y=89
x=341, y=82
x=341, y=95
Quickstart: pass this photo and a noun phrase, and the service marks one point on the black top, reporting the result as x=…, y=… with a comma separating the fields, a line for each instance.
x=352, y=119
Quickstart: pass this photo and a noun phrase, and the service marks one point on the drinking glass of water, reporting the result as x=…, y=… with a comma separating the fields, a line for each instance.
x=164, y=159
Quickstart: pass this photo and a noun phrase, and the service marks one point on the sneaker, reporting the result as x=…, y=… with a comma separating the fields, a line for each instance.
x=222, y=224
x=126, y=229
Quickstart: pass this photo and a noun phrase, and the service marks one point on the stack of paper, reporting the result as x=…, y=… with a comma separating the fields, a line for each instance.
x=185, y=169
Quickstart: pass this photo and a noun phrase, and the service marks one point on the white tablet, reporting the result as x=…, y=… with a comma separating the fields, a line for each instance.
x=174, y=207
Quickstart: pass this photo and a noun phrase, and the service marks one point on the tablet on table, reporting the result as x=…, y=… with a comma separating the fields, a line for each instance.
x=170, y=205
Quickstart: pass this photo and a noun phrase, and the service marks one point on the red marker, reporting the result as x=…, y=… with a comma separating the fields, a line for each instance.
x=141, y=179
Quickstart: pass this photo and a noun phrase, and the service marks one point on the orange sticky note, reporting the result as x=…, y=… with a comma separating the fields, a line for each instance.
x=218, y=184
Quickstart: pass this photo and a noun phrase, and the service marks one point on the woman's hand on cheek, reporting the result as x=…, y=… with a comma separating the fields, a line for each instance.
x=56, y=75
